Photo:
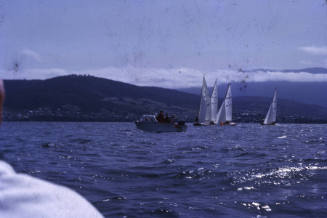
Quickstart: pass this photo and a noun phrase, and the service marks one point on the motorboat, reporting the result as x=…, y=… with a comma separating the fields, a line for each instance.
x=149, y=123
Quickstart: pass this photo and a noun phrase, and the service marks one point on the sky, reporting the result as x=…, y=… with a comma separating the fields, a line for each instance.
x=170, y=43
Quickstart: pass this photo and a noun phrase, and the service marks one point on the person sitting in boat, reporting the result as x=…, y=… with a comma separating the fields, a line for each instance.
x=173, y=118
x=196, y=121
x=161, y=117
x=167, y=118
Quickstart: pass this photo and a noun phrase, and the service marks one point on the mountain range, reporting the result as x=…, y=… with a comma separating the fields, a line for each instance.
x=88, y=98
x=303, y=92
x=313, y=70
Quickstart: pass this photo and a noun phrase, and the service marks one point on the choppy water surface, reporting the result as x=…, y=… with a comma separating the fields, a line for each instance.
x=248, y=170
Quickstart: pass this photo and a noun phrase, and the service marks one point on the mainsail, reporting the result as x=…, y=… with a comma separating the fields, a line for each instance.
x=272, y=112
x=203, y=111
x=208, y=107
x=214, y=103
x=225, y=111
x=228, y=104
x=221, y=116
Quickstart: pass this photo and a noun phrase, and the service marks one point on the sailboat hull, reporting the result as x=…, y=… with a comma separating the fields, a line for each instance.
x=201, y=124
x=231, y=124
x=269, y=124
x=228, y=124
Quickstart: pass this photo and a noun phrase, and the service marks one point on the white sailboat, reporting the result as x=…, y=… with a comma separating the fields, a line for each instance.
x=204, y=115
x=214, y=104
x=224, y=116
x=270, y=118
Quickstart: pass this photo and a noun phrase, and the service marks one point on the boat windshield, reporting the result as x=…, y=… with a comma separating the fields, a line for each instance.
x=148, y=118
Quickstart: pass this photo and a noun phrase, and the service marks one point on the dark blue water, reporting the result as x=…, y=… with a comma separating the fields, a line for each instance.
x=244, y=171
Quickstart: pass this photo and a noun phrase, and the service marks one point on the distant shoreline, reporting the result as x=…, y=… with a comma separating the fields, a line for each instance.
x=91, y=99
x=103, y=121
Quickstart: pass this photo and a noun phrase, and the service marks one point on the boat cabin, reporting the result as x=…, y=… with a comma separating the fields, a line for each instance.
x=149, y=118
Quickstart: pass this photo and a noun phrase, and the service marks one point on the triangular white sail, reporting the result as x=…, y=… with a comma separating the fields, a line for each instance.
x=228, y=104
x=214, y=103
x=203, y=103
x=221, y=116
x=225, y=110
x=272, y=112
x=208, y=107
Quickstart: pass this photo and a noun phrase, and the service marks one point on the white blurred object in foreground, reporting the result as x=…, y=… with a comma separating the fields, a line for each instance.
x=24, y=196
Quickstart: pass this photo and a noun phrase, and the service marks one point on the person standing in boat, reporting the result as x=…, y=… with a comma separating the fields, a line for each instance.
x=161, y=117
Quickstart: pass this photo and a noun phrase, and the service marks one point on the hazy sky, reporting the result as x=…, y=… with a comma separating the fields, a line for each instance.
x=167, y=43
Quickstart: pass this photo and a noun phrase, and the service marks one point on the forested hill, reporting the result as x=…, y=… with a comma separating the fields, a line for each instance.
x=88, y=98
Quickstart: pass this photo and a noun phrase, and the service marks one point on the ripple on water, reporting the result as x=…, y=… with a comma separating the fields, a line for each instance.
x=48, y=145
x=80, y=141
x=283, y=176
x=242, y=171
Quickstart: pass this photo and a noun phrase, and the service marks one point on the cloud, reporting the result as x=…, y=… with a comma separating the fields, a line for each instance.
x=173, y=78
x=289, y=76
x=30, y=54
x=314, y=50
x=186, y=77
